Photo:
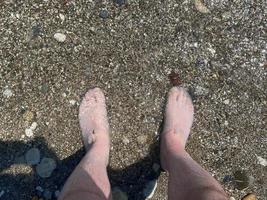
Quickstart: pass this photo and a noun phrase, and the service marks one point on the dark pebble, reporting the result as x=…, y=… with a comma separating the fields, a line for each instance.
x=47, y=195
x=104, y=14
x=227, y=179
x=120, y=2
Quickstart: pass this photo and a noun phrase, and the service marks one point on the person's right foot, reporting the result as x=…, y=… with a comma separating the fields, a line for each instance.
x=177, y=123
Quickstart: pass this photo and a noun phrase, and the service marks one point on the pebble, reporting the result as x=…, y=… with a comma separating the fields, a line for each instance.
x=60, y=37
x=57, y=193
x=231, y=198
x=32, y=156
x=117, y=194
x=72, y=102
x=241, y=179
x=142, y=139
x=33, y=126
x=227, y=179
x=28, y=116
x=62, y=17
x=28, y=132
x=262, y=161
x=47, y=195
x=150, y=189
x=120, y=2
x=201, y=91
x=249, y=197
x=226, y=101
x=103, y=14
x=46, y=167
x=125, y=140
x=2, y=193
x=39, y=188
x=201, y=7
x=7, y=93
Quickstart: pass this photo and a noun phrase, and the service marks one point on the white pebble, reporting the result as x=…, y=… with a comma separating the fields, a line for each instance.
x=62, y=17
x=33, y=126
x=7, y=93
x=231, y=198
x=60, y=37
x=2, y=193
x=72, y=102
x=28, y=132
x=226, y=101
x=262, y=161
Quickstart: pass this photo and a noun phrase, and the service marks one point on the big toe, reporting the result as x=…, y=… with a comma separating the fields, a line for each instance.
x=95, y=94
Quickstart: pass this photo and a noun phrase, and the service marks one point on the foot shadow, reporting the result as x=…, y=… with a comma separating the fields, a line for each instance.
x=131, y=180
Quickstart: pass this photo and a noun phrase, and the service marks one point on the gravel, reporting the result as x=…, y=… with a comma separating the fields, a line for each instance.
x=130, y=55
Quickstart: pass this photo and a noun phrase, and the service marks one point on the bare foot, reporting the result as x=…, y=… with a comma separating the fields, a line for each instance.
x=94, y=124
x=178, y=121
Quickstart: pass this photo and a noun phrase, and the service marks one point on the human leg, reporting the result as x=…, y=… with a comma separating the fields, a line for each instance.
x=89, y=181
x=187, y=179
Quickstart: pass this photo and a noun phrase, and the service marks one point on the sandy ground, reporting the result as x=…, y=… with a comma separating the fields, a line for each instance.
x=129, y=50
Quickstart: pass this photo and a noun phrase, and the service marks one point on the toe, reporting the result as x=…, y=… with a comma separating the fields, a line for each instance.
x=95, y=95
x=174, y=93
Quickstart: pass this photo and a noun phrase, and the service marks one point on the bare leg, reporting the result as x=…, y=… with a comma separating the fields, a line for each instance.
x=187, y=179
x=89, y=181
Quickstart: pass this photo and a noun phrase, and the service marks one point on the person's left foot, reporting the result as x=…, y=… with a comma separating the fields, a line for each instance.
x=94, y=124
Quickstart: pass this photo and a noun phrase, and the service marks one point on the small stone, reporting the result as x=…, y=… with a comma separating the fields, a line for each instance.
x=28, y=132
x=226, y=101
x=104, y=14
x=226, y=15
x=62, y=17
x=227, y=179
x=60, y=37
x=231, y=198
x=73, y=102
x=39, y=188
x=150, y=189
x=241, y=179
x=28, y=116
x=7, y=93
x=47, y=195
x=120, y=2
x=33, y=126
x=2, y=193
x=44, y=88
x=33, y=156
x=249, y=197
x=262, y=161
x=36, y=31
x=46, y=167
x=57, y=193
x=201, y=7
x=117, y=194
x=142, y=139
x=125, y=140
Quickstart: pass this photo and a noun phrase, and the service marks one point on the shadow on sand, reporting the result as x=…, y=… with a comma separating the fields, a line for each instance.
x=131, y=180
